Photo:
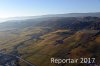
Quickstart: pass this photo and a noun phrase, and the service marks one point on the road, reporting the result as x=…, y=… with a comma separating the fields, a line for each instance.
x=10, y=60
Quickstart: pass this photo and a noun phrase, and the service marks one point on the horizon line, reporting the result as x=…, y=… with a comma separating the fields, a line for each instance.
x=47, y=15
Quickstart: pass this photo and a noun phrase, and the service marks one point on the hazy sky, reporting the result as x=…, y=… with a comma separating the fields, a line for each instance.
x=14, y=8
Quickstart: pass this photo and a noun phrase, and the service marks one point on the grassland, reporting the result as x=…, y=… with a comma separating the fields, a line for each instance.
x=39, y=51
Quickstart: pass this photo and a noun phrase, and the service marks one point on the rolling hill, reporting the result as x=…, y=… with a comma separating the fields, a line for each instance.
x=75, y=35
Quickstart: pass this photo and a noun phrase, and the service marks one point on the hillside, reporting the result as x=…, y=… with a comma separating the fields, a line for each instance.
x=38, y=40
x=55, y=44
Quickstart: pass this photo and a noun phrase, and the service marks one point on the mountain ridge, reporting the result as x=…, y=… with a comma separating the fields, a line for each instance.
x=92, y=14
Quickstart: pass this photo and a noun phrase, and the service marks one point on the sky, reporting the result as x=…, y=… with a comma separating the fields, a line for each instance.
x=17, y=8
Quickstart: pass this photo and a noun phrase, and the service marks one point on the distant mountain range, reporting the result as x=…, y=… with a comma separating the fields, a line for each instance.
x=94, y=14
x=71, y=20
